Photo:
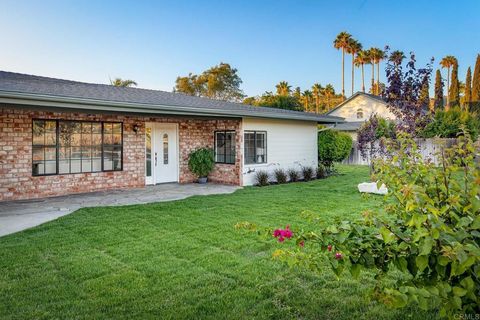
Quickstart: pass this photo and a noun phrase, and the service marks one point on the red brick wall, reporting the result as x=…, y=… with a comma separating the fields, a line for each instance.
x=17, y=182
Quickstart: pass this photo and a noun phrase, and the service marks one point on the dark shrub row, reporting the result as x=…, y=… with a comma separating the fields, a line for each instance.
x=280, y=176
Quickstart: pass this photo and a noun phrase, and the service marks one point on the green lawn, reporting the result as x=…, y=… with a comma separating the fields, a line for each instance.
x=184, y=259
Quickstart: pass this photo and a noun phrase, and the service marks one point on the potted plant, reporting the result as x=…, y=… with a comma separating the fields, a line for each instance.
x=201, y=162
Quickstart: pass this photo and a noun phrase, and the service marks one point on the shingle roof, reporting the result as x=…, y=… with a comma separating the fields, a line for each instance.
x=22, y=86
x=348, y=126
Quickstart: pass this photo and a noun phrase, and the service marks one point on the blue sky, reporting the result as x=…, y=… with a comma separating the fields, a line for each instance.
x=153, y=42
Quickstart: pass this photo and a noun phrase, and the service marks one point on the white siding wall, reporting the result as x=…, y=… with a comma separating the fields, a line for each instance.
x=367, y=104
x=289, y=144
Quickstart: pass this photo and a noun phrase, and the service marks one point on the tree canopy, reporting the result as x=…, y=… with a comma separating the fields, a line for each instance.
x=219, y=82
x=119, y=82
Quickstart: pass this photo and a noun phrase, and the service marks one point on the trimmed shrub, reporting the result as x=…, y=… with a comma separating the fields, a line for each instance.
x=321, y=172
x=333, y=146
x=451, y=123
x=293, y=175
x=261, y=178
x=201, y=162
x=280, y=175
x=308, y=173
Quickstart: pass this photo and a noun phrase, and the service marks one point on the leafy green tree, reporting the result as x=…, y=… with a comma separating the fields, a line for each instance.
x=283, y=88
x=448, y=62
x=119, y=82
x=341, y=42
x=250, y=101
x=333, y=146
x=451, y=123
x=454, y=92
x=438, y=104
x=353, y=48
x=268, y=99
x=476, y=87
x=467, y=96
x=220, y=82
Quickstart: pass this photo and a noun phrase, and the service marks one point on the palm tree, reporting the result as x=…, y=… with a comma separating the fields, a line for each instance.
x=396, y=57
x=119, y=82
x=283, y=89
x=362, y=58
x=372, y=63
x=448, y=62
x=377, y=56
x=317, y=91
x=341, y=42
x=353, y=47
x=297, y=93
x=328, y=92
x=306, y=98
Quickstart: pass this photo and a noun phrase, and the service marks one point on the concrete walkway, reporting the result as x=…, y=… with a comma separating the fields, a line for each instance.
x=20, y=215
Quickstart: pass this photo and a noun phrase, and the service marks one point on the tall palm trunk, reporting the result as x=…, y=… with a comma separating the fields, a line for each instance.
x=373, y=77
x=353, y=72
x=363, y=80
x=378, y=77
x=343, y=73
x=447, y=107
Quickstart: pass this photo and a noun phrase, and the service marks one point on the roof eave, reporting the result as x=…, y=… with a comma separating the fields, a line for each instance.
x=22, y=98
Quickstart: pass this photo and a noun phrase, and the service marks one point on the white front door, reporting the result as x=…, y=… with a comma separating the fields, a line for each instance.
x=161, y=151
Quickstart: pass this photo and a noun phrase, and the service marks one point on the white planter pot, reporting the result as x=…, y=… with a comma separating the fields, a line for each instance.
x=371, y=187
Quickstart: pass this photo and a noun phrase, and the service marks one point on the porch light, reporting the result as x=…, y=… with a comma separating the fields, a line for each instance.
x=135, y=128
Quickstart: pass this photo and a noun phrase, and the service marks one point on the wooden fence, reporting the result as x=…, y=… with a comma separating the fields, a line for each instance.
x=428, y=149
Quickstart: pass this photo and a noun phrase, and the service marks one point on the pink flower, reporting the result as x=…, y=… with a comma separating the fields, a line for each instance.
x=281, y=234
x=301, y=243
x=329, y=247
x=338, y=256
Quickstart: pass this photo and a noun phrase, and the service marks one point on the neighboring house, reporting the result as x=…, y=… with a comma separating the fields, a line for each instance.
x=357, y=109
x=59, y=137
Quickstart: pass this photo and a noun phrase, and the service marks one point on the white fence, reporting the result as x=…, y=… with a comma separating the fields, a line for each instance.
x=427, y=147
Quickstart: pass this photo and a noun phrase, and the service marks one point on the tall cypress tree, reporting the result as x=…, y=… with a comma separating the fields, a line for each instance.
x=438, y=104
x=467, y=98
x=454, y=92
x=475, y=106
x=425, y=96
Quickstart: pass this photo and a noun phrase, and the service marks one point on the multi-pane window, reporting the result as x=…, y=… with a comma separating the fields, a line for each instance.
x=76, y=146
x=225, y=147
x=255, y=145
x=44, y=148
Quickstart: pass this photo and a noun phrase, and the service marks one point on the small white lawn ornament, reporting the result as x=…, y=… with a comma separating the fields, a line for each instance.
x=371, y=187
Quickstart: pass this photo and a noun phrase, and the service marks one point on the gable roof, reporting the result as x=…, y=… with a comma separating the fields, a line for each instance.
x=358, y=93
x=17, y=88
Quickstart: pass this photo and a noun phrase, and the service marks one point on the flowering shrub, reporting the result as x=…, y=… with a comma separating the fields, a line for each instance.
x=281, y=234
x=430, y=233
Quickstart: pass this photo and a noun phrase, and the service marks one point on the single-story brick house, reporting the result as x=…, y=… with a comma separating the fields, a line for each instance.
x=59, y=137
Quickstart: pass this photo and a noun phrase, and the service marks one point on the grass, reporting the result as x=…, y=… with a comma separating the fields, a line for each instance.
x=185, y=260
